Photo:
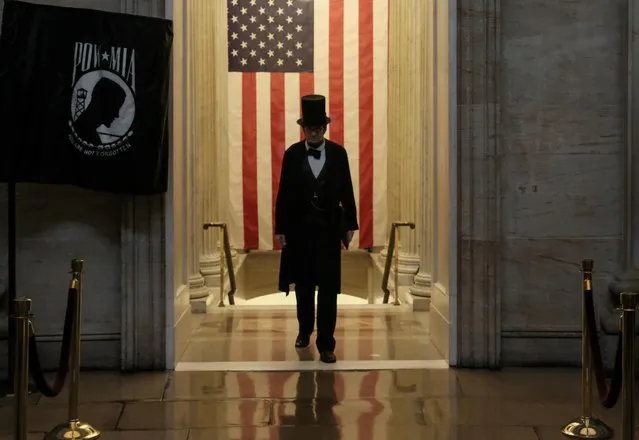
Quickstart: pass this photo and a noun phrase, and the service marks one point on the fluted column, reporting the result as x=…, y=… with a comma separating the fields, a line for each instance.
x=206, y=93
x=422, y=283
x=394, y=120
x=405, y=129
x=222, y=115
x=198, y=290
x=392, y=160
x=411, y=194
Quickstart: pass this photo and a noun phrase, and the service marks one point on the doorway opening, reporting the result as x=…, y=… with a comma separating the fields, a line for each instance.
x=229, y=166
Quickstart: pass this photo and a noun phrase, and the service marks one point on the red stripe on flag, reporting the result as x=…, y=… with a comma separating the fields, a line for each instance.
x=278, y=137
x=249, y=159
x=307, y=87
x=336, y=70
x=366, y=123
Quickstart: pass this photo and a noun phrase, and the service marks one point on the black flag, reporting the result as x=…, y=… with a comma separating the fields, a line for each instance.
x=84, y=97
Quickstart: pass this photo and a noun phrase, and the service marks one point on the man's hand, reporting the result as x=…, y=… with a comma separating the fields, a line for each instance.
x=281, y=239
x=350, y=236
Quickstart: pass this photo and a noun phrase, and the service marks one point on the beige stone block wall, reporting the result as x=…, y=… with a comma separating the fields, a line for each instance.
x=181, y=311
x=439, y=164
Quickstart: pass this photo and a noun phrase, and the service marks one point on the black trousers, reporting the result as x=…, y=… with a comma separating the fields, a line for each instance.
x=326, y=315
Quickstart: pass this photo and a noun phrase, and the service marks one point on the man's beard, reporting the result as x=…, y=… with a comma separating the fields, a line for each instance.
x=314, y=144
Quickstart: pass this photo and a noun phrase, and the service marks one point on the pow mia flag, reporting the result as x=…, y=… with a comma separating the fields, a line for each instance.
x=84, y=98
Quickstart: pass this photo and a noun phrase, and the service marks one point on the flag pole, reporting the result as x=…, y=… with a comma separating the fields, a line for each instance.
x=11, y=291
x=11, y=288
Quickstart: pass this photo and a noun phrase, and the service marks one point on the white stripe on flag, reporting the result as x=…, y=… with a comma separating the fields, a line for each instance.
x=351, y=96
x=320, y=61
x=292, y=107
x=380, y=146
x=264, y=167
x=236, y=194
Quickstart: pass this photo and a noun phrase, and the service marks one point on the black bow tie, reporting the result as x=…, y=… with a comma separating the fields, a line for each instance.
x=315, y=153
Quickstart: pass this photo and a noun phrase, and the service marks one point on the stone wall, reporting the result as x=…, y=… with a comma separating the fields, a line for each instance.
x=122, y=242
x=560, y=168
x=54, y=225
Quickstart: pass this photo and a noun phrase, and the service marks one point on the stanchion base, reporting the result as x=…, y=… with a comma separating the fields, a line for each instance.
x=73, y=430
x=586, y=427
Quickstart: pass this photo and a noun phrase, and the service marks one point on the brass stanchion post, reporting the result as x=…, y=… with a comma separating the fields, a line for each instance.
x=220, y=248
x=396, y=261
x=74, y=428
x=586, y=426
x=21, y=317
x=629, y=303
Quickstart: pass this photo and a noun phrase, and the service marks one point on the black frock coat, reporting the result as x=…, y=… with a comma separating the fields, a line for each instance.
x=296, y=190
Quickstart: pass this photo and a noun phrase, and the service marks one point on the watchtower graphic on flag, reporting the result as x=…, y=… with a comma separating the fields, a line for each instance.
x=80, y=100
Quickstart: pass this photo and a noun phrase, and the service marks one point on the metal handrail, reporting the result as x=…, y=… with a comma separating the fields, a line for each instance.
x=389, y=257
x=227, y=256
x=387, y=264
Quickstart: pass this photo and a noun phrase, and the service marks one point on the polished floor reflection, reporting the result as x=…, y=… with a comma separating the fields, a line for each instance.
x=364, y=333
x=522, y=404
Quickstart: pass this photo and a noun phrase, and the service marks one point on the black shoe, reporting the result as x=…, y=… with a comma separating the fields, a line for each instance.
x=328, y=357
x=302, y=341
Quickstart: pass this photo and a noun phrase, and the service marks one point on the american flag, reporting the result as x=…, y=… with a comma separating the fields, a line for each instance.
x=278, y=51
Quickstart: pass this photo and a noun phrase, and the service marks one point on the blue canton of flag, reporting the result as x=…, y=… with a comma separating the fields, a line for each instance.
x=270, y=35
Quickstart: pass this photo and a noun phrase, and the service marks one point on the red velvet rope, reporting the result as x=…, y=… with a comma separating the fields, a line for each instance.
x=35, y=368
x=607, y=395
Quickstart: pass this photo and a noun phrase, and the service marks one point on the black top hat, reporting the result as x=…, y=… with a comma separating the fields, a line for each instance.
x=313, y=111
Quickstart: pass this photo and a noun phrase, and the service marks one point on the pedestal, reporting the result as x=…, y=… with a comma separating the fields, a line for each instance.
x=198, y=294
x=408, y=267
x=383, y=255
x=210, y=269
x=421, y=291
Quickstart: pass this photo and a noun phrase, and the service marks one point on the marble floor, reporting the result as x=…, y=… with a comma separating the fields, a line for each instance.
x=262, y=338
x=521, y=404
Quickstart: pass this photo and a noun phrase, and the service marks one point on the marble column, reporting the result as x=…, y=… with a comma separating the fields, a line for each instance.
x=198, y=291
x=405, y=137
x=422, y=283
x=222, y=117
x=393, y=157
x=220, y=36
x=206, y=69
x=412, y=191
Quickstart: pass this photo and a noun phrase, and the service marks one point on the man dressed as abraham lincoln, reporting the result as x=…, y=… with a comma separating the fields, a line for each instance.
x=314, y=214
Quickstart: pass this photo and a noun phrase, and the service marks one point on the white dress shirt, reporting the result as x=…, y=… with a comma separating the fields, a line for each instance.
x=317, y=164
